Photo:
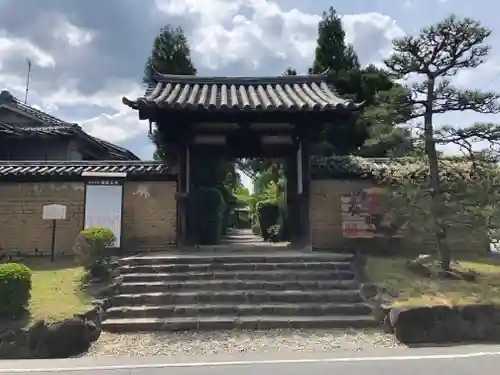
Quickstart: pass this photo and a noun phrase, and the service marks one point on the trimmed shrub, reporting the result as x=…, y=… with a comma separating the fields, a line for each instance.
x=269, y=214
x=209, y=208
x=274, y=233
x=93, y=248
x=15, y=289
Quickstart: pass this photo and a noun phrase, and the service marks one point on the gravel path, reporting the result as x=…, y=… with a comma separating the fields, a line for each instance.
x=227, y=342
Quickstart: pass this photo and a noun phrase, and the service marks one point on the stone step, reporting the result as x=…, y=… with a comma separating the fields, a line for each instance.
x=283, y=309
x=226, y=285
x=235, y=258
x=234, y=267
x=240, y=239
x=236, y=249
x=240, y=275
x=232, y=322
x=236, y=297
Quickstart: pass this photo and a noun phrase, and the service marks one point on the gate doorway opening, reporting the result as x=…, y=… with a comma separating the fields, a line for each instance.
x=203, y=123
x=276, y=205
x=258, y=212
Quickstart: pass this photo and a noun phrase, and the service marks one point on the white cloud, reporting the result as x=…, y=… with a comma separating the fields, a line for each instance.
x=23, y=48
x=12, y=82
x=110, y=95
x=251, y=32
x=371, y=34
x=207, y=11
x=481, y=77
x=120, y=126
x=73, y=35
x=116, y=128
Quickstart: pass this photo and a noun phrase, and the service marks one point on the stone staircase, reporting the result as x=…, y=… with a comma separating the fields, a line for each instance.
x=241, y=237
x=235, y=290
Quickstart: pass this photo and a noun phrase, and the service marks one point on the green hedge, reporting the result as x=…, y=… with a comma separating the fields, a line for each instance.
x=269, y=214
x=15, y=289
x=209, y=209
x=390, y=170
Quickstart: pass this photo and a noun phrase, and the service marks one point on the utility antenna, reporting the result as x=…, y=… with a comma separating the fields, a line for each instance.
x=27, y=81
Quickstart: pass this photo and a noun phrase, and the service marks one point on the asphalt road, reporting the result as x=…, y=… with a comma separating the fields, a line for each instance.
x=467, y=360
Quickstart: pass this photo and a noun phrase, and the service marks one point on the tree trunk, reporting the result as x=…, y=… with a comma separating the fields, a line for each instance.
x=437, y=203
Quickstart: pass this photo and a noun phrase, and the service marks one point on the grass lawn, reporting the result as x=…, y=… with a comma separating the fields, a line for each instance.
x=407, y=288
x=56, y=289
x=55, y=292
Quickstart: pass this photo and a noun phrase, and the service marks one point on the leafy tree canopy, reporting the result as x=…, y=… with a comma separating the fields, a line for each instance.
x=374, y=131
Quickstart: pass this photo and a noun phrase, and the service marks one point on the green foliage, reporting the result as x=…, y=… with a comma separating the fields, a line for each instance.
x=209, y=209
x=170, y=54
x=93, y=247
x=347, y=167
x=269, y=190
x=243, y=196
x=332, y=52
x=438, y=53
x=269, y=214
x=374, y=131
x=274, y=233
x=397, y=170
x=219, y=174
x=268, y=182
x=290, y=72
x=15, y=288
x=470, y=196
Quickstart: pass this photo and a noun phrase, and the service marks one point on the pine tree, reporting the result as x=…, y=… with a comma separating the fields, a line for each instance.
x=436, y=55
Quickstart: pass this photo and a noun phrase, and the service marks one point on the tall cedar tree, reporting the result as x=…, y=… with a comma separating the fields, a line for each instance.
x=373, y=133
x=170, y=55
x=332, y=53
x=436, y=55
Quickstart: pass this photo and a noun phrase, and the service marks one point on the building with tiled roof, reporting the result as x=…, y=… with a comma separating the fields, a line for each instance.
x=280, y=93
x=68, y=170
x=27, y=133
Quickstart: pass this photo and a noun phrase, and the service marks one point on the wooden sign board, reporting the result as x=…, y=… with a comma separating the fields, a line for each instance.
x=54, y=212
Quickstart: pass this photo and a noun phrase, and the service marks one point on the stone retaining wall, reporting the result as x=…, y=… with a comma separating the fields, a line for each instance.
x=445, y=324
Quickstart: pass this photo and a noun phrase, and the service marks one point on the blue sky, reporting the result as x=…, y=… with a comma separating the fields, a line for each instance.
x=88, y=54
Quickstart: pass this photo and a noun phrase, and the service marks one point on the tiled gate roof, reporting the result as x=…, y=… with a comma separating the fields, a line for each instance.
x=281, y=93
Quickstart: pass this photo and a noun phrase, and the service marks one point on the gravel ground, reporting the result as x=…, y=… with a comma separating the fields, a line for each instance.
x=227, y=342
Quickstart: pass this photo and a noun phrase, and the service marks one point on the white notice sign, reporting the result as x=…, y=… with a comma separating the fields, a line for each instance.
x=54, y=212
x=103, y=208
